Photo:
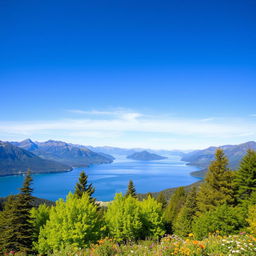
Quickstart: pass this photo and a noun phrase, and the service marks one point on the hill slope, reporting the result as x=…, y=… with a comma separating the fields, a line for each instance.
x=15, y=160
x=202, y=158
x=145, y=156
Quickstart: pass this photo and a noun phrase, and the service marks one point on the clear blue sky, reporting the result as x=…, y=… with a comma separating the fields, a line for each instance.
x=160, y=74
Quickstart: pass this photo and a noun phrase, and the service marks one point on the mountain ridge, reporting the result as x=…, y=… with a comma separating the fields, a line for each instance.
x=67, y=153
x=15, y=160
x=202, y=158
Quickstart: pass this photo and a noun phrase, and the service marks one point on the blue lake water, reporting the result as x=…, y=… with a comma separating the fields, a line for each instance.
x=108, y=179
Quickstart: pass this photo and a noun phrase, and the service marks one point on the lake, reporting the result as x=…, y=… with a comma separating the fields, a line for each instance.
x=108, y=179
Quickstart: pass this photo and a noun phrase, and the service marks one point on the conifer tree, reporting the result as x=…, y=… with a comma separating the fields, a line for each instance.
x=131, y=191
x=174, y=206
x=16, y=227
x=217, y=187
x=83, y=187
x=184, y=220
x=149, y=194
x=161, y=199
x=245, y=176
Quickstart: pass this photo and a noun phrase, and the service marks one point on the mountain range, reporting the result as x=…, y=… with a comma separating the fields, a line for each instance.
x=202, y=158
x=67, y=153
x=43, y=157
x=15, y=160
x=128, y=151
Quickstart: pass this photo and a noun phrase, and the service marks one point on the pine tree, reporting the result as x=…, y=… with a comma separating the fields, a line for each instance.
x=149, y=194
x=131, y=191
x=16, y=226
x=217, y=187
x=83, y=187
x=173, y=208
x=245, y=176
x=161, y=199
x=184, y=220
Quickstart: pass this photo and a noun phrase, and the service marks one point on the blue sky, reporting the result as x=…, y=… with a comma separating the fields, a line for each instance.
x=159, y=74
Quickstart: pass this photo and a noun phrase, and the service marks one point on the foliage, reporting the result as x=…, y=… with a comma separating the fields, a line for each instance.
x=39, y=216
x=174, y=206
x=131, y=191
x=217, y=188
x=245, y=178
x=183, y=223
x=123, y=219
x=226, y=219
x=74, y=222
x=15, y=225
x=152, y=219
x=161, y=199
x=82, y=187
x=252, y=219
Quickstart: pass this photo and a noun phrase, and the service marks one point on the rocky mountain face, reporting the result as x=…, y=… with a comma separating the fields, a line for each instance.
x=74, y=155
x=15, y=160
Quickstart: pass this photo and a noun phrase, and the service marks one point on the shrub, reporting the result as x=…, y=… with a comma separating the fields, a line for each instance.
x=252, y=219
x=74, y=222
x=227, y=219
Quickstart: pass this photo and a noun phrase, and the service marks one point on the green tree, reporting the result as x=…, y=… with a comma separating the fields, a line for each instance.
x=226, y=219
x=82, y=187
x=245, y=176
x=149, y=194
x=131, y=191
x=184, y=220
x=123, y=218
x=15, y=224
x=174, y=206
x=39, y=216
x=217, y=187
x=252, y=219
x=152, y=218
x=161, y=199
x=74, y=222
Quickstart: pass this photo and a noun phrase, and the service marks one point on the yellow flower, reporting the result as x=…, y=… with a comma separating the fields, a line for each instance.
x=190, y=234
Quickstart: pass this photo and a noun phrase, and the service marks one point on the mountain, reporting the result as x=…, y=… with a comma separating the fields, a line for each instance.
x=112, y=150
x=126, y=151
x=202, y=158
x=63, y=152
x=27, y=144
x=15, y=160
x=145, y=156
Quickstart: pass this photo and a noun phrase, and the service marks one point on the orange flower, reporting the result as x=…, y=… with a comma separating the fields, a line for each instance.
x=195, y=242
x=201, y=246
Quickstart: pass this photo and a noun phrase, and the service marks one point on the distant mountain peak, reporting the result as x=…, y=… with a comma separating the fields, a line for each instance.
x=15, y=160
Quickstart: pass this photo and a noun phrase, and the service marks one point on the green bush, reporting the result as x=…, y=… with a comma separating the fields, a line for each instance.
x=74, y=222
x=226, y=219
x=123, y=218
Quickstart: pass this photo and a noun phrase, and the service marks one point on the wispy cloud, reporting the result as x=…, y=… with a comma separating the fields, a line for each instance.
x=120, y=124
x=119, y=113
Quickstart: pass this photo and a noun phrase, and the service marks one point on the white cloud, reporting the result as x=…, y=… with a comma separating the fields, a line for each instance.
x=122, y=126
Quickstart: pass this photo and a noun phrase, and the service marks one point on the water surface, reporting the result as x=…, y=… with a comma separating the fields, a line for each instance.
x=108, y=179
